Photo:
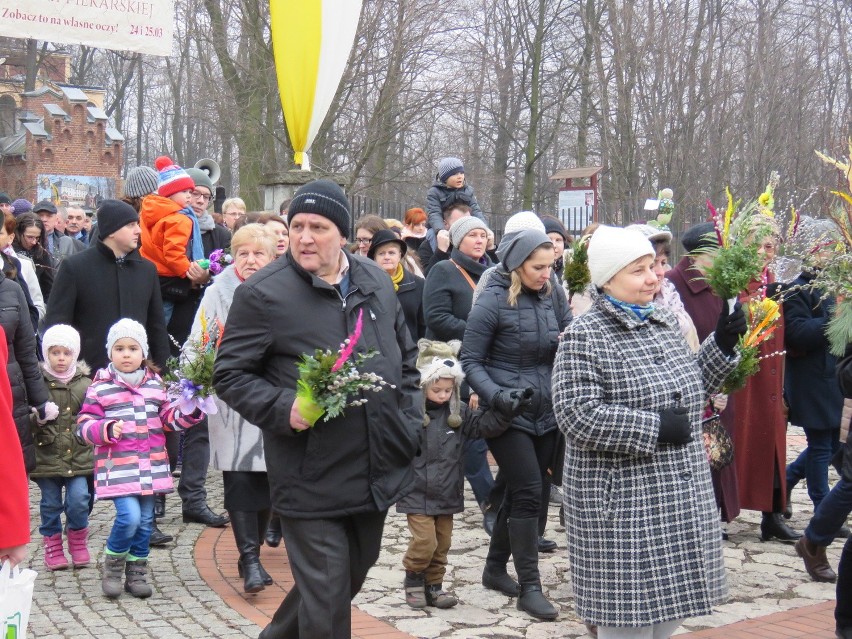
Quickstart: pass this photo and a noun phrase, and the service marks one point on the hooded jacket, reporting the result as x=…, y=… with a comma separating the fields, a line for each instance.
x=166, y=233
x=59, y=452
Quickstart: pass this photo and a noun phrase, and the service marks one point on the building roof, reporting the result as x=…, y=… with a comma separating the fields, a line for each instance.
x=56, y=111
x=96, y=113
x=74, y=94
x=578, y=172
x=113, y=135
x=37, y=129
x=14, y=145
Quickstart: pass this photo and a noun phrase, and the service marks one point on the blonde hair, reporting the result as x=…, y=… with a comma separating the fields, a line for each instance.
x=257, y=234
x=516, y=286
x=233, y=201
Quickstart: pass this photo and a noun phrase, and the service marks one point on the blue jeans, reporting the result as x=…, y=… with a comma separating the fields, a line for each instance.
x=131, y=530
x=75, y=506
x=168, y=309
x=476, y=469
x=812, y=463
x=831, y=514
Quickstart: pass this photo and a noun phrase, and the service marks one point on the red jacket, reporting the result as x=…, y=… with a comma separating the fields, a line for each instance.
x=15, y=497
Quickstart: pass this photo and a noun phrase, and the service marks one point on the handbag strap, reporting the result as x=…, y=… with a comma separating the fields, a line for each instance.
x=464, y=274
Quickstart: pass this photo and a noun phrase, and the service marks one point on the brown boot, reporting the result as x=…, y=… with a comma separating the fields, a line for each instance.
x=816, y=563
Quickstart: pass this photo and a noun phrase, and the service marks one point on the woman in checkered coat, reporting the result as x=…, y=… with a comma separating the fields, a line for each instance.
x=643, y=533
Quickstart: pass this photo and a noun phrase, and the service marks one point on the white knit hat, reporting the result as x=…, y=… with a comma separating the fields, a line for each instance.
x=439, y=360
x=61, y=335
x=523, y=220
x=612, y=248
x=127, y=328
x=653, y=233
x=463, y=226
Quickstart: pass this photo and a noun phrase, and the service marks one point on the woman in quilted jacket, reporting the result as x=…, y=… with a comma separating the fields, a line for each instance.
x=124, y=416
x=644, y=539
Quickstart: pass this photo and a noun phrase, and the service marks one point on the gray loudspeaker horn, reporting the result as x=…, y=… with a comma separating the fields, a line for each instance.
x=211, y=168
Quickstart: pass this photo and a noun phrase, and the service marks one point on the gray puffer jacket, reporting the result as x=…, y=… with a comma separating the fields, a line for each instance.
x=507, y=347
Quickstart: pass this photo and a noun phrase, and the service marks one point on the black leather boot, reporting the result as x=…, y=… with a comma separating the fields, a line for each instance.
x=273, y=531
x=773, y=526
x=159, y=506
x=523, y=534
x=262, y=525
x=244, y=524
x=494, y=576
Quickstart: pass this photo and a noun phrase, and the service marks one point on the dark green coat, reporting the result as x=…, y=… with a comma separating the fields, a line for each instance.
x=58, y=451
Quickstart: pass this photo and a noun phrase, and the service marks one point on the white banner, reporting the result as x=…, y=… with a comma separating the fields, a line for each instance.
x=144, y=26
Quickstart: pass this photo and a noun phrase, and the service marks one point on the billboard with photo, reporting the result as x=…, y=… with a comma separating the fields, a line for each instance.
x=75, y=190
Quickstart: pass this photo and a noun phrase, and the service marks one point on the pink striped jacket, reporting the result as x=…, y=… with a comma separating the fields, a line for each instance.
x=137, y=462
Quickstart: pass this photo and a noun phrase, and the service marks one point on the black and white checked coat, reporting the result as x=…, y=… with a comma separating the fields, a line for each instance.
x=643, y=533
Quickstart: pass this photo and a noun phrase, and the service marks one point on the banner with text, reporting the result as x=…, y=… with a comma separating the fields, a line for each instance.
x=144, y=26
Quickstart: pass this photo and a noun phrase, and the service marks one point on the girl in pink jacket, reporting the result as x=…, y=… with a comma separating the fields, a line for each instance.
x=124, y=415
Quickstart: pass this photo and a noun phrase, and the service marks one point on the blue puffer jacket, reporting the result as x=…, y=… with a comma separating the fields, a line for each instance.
x=508, y=347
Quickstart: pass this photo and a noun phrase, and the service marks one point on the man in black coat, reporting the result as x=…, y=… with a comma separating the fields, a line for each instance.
x=332, y=484
x=107, y=282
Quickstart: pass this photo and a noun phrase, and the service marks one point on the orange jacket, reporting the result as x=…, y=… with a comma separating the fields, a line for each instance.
x=166, y=234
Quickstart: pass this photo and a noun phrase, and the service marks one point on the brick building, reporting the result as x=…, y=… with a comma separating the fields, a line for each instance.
x=54, y=135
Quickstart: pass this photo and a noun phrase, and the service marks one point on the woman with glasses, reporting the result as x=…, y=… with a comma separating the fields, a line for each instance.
x=366, y=227
x=232, y=209
x=30, y=240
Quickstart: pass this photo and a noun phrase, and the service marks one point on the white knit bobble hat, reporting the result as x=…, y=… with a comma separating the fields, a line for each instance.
x=612, y=248
x=523, y=220
x=61, y=335
x=127, y=328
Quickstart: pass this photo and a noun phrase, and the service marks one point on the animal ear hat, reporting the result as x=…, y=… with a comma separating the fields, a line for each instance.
x=439, y=360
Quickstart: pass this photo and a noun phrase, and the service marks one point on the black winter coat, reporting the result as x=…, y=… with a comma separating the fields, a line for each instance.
x=440, y=196
x=410, y=296
x=507, y=347
x=94, y=290
x=438, y=467
x=45, y=267
x=216, y=238
x=810, y=377
x=447, y=296
x=360, y=461
x=28, y=387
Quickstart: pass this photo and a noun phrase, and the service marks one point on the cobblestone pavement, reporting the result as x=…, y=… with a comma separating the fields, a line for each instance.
x=765, y=578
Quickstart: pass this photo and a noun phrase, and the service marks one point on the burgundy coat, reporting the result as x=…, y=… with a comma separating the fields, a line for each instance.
x=760, y=436
x=704, y=308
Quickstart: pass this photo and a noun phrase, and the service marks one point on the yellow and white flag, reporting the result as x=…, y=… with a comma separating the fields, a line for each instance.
x=311, y=41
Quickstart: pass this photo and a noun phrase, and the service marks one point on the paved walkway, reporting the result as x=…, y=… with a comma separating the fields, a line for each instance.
x=198, y=594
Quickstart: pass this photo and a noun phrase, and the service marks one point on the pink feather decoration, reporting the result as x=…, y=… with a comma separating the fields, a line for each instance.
x=714, y=215
x=347, y=349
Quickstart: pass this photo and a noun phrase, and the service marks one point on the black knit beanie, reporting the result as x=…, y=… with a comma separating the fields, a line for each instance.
x=699, y=236
x=112, y=215
x=325, y=198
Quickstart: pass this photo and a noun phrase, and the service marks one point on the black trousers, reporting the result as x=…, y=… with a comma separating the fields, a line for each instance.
x=192, y=486
x=330, y=559
x=523, y=459
x=843, y=611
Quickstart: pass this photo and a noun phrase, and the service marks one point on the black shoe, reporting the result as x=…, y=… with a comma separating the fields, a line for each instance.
x=844, y=632
x=494, y=578
x=159, y=506
x=843, y=532
x=489, y=517
x=546, y=545
x=159, y=538
x=244, y=525
x=273, y=532
x=205, y=516
x=773, y=526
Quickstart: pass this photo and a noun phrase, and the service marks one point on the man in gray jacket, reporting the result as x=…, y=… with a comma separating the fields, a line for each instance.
x=332, y=484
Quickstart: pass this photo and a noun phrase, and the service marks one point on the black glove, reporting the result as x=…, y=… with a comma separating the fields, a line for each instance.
x=675, y=427
x=730, y=327
x=511, y=403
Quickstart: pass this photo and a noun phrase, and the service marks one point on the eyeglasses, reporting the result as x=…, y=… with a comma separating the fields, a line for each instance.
x=234, y=214
x=33, y=238
x=202, y=196
x=363, y=240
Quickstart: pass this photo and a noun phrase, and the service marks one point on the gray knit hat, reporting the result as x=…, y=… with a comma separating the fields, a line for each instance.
x=521, y=221
x=141, y=181
x=201, y=178
x=448, y=167
x=463, y=226
x=517, y=247
x=127, y=328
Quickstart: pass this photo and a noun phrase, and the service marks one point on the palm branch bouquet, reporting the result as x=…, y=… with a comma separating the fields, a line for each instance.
x=736, y=262
x=835, y=274
x=189, y=382
x=327, y=379
x=763, y=315
x=576, y=272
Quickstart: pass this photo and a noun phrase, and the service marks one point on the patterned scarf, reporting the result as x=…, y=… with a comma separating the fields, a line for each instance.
x=396, y=278
x=639, y=311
